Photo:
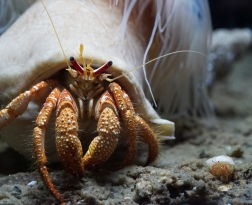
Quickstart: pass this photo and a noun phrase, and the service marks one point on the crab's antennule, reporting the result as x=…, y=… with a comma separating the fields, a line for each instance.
x=100, y=70
x=76, y=65
x=56, y=34
x=168, y=54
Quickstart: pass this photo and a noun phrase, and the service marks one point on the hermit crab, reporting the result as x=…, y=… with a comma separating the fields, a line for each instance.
x=97, y=98
x=222, y=167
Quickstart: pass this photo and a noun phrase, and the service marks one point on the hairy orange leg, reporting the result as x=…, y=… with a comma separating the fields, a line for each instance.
x=127, y=112
x=39, y=135
x=18, y=105
x=135, y=126
x=145, y=132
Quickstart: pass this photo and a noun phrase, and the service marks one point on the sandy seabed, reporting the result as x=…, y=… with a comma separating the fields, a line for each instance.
x=179, y=176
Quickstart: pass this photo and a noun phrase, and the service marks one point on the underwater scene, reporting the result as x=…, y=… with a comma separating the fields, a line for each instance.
x=125, y=102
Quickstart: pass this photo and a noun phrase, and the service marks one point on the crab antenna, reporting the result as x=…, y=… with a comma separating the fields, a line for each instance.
x=56, y=34
x=76, y=65
x=100, y=70
x=168, y=54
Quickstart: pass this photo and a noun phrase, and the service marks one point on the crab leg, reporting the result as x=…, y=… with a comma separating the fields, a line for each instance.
x=108, y=129
x=39, y=135
x=18, y=105
x=67, y=142
x=145, y=132
x=128, y=115
x=134, y=125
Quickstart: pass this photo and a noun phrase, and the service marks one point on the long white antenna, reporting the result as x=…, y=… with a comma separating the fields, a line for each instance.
x=56, y=34
x=168, y=54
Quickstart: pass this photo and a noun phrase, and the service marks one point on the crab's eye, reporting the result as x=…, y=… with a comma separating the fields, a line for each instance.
x=76, y=65
x=101, y=69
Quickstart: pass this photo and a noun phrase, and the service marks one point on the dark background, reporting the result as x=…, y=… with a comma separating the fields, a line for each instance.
x=231, y=13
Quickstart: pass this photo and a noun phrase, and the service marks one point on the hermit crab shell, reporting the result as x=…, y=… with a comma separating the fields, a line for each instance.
x=30, y=53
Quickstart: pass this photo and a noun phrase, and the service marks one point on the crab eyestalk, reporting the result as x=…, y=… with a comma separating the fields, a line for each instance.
x=101, y=69
x=76, y=65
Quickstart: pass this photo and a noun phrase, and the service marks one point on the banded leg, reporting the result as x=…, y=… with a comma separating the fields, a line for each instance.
x=18, y=105
x=128, y=115
x=39, y=135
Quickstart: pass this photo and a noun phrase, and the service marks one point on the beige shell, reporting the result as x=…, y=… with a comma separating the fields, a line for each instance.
x=30, y=53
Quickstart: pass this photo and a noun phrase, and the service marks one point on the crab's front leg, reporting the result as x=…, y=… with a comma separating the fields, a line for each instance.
x=67, y=141
x=108, y=128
